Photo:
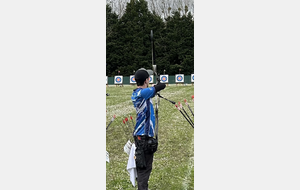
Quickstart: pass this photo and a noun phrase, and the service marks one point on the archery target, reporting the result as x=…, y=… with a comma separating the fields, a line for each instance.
x=106, y=79
x=151, y=79
x=192, y=78
x=118, y=79
x=164, y=78
x=132, y=79
x=179, y=78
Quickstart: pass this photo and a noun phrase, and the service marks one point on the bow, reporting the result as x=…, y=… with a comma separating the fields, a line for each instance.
x=157, y=81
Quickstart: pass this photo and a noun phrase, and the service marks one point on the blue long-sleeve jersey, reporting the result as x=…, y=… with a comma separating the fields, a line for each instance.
x=145, y=120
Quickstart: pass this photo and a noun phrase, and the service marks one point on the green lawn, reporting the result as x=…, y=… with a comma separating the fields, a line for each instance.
x=173, y=165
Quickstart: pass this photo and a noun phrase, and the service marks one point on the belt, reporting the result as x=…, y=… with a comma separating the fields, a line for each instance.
x=141, y=137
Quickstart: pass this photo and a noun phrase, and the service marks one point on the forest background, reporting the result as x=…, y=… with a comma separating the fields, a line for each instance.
x=128, y=43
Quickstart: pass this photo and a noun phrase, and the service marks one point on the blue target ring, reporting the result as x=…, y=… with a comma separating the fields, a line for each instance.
x=193, y=77
x=179, y=78
x=132, y=79
x=164, y=78
x=150, y=79
x=118, y=79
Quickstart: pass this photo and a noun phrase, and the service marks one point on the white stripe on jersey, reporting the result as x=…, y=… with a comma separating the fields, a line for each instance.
x=151, y=125
x=142, y=123
x=141, y=107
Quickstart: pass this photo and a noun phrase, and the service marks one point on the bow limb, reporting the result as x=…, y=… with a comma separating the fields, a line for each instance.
x=157, y=80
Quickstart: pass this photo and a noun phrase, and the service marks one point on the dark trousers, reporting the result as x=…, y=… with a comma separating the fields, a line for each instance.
x=143, y=175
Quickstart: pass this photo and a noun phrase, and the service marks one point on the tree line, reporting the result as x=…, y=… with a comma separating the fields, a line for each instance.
x=128, y=43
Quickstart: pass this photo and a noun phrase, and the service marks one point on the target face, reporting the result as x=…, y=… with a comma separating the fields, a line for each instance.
x=164, y=78
x=179, y=78
x=118, y=79
x=132, y=79
x=192, y=78
x=151, y=79
x=106, y=79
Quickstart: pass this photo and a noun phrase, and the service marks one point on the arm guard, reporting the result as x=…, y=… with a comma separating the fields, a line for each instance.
x=159, y=87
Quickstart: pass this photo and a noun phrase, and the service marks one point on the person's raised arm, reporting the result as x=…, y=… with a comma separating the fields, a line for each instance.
x=159, y=87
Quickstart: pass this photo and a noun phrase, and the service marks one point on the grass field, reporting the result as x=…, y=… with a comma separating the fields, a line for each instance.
x=173, y=165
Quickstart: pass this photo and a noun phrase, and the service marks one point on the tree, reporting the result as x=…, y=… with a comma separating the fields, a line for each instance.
x=132, y=47
x=163, y=8
x=111, y=20
x=180, y=43
x=111, y=33
x=128, y=44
